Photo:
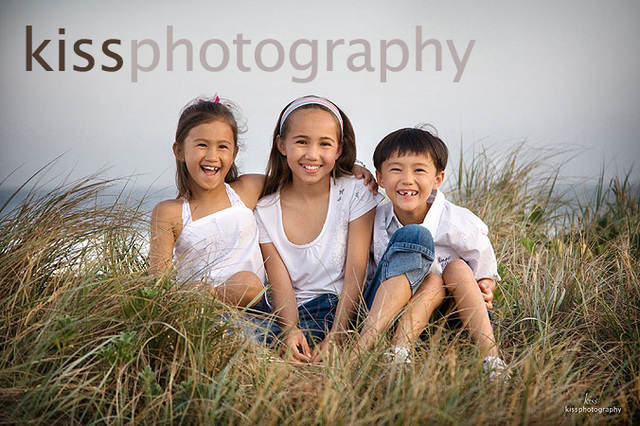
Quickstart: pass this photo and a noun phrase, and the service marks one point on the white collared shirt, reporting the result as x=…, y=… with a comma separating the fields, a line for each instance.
x=457, y=234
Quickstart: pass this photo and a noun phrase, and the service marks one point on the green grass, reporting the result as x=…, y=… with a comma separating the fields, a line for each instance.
x=88, y=337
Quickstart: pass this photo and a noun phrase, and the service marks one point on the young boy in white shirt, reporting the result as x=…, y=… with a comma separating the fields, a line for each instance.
x=425, y=248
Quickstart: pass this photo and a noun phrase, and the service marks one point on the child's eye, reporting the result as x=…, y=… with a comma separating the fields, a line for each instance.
x=301, y=142
x=420, y=170
x=395, y=169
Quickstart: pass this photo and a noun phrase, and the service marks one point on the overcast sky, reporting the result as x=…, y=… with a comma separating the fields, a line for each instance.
x=558, y=74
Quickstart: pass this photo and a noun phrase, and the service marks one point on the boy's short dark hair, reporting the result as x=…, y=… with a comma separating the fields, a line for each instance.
x=411, y=141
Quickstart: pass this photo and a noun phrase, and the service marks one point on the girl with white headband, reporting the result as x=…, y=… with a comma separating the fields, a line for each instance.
x=315, y=221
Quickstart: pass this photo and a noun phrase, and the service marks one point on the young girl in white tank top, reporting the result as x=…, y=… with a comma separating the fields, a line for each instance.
x=209, y=232
x=202, y=250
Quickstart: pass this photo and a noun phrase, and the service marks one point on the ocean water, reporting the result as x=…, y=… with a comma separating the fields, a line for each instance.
x=143, y=199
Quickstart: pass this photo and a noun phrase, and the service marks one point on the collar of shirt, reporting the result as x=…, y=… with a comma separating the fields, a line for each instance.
x=431, y=221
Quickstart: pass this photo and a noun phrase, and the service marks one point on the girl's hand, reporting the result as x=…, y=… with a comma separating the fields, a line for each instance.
x=297, y=346
x=321, y=350
x=362, y=172
x=486, y=288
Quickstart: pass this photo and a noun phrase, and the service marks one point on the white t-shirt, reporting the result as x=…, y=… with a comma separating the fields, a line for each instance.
x=317, y=267
x=214, y=247
x=457, y=234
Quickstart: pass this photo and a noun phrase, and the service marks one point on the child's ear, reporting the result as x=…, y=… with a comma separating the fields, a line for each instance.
x=177, y=152
x=280, y=145
x=379, y=179
x=438, y=181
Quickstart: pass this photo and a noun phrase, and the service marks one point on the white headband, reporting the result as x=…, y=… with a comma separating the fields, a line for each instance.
x=309, y=100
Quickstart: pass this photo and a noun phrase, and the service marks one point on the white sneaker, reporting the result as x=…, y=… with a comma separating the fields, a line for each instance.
x=398, y=355
x=496, y=368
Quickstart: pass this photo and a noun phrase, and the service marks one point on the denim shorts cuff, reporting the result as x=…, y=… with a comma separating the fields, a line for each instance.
x=419, y=248
x=415, y=278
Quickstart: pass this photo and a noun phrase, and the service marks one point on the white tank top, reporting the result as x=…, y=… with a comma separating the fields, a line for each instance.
x=216, y=246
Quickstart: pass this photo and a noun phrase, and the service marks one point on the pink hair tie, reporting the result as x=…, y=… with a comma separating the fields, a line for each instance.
x=216, y=99
x=311, y=100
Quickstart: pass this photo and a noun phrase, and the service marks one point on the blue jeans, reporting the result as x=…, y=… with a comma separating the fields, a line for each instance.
x=410, y=251
x=315, y=319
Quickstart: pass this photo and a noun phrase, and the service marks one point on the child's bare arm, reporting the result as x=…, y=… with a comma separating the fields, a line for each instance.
x=284, y=300
x=164, y=219
x=359, y=239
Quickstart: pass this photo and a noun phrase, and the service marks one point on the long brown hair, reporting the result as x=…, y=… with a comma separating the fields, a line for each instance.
x=278, y=172
x=195, y=113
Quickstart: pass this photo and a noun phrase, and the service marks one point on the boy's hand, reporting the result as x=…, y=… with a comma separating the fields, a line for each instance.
x=362, y=172
x=486, y=288
x=297, y=346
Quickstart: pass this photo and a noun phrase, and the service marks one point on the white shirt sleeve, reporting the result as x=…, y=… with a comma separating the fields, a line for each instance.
x=361, y=199
x=264, y=236
x=476, y=249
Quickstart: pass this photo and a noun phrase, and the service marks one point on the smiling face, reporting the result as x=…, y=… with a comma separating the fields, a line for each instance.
x=208, y=151
x=311, y=145
x=408, y=181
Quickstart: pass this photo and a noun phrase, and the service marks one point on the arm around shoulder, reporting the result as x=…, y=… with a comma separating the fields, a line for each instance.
x=249, y=187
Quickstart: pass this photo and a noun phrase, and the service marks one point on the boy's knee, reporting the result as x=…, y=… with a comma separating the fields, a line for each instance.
x=457, y=272
x=413, y=234
x=410, y=253
x=434, y=285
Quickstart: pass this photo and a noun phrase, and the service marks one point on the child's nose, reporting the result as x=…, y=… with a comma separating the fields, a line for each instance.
x=407, y=177
x=212, y=154
x=312, y=151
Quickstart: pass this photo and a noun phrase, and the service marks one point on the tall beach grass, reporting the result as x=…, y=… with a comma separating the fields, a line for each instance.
x=88, y=337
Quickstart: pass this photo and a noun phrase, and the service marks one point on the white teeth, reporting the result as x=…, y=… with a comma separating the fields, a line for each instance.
x=407, y=192
x=213, y=169
x=310, y=167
